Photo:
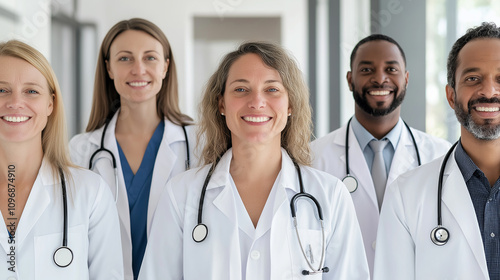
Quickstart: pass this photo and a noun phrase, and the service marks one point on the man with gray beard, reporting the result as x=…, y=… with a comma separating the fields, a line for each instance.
x=442, y=221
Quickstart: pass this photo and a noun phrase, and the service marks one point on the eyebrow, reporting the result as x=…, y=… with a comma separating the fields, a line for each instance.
x=25, y=84
x=129, y=52
x=246, y=81
x=371, y=63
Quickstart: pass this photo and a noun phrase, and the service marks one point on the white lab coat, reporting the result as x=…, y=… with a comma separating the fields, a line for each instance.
x=172, y=254
x=329, y=156
x=170, y=161
x=409, y=214
x=92, y=230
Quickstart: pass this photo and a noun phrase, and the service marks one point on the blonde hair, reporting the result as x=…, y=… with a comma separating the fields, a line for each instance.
x=298, y=130
x=106, y=99
x=54, y=135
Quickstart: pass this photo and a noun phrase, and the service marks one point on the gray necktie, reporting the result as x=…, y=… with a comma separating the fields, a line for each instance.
x=379, y=174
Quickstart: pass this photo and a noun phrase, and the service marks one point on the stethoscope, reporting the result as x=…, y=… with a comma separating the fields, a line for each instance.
x=113, y=159
x=63, y=256
x=349, y=180
x=440, y=235
x=200, y=231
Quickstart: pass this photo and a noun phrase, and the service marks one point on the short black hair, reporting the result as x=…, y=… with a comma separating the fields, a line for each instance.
x=376, y=37
x=485, y=30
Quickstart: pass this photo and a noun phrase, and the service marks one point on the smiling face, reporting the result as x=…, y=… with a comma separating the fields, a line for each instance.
x=255, y=102
x=476, y=97
x=25, y=101
x=137, y=66
x=378, y=78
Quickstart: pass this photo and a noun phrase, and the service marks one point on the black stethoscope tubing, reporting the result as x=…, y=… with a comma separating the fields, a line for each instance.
x=440, y=235
x=113, y=159
x=63, y=256
x=200, y=231
x=349, y=176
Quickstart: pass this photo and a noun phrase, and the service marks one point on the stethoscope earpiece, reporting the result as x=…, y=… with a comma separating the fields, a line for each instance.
x=63, y=256
x=440, y=235
x=200, y=232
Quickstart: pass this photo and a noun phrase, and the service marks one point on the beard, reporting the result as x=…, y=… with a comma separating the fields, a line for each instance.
x=360, y=99
x=485, y=131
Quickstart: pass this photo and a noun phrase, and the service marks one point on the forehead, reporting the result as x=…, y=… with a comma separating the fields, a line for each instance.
x=14, y=70
x=379, y=51
x=132, y=40
x=480, y=54
x=251, y=66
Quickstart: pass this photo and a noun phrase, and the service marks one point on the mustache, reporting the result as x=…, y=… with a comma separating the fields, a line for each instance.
x=483, y=100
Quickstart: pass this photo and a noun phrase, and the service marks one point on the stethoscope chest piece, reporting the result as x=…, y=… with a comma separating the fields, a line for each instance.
x=440, y=235
x=63, y=256
x=351, y=183
x=200, y=232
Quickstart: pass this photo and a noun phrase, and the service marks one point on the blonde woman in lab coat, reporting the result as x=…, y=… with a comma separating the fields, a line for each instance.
x=136, y=118
x=40, y=190
x=256, y=112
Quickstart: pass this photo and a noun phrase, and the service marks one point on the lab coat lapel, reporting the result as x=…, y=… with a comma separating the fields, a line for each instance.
x=105, y=168
x=164, y=164
x=404, y=157
x=224, y=200
x=38, y=200
x=281, y=221
x=359, y=168
x=457, y=199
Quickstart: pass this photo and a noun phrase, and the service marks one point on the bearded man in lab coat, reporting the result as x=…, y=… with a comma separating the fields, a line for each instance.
x=378, y=81
x=467, y=246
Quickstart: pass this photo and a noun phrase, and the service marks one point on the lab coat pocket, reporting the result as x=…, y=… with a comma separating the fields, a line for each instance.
x=310, y=245
x=46, y=245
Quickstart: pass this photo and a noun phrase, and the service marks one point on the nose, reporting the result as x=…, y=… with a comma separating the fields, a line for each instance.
x=490, y=88
x=257, y=100
x=138, y=68
x=379, y=77
x=15, y=101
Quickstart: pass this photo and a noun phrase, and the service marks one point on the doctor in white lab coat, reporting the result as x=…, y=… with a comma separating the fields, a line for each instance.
x=34, y=157
x=378, y=67
x=470, y=181
x=256, y=110
x=136, y=73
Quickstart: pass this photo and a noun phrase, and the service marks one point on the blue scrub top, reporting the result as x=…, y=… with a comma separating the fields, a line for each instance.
x=138, y=187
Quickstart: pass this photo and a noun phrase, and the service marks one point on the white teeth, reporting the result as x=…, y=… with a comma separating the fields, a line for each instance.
x=379, y=92
x=487, y=109
x=256, y=119
x=15, y=119
x=138, y=84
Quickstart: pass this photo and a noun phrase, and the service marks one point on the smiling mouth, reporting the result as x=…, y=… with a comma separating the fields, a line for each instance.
x=138, y=84
x=487, y=109
x=15, y=119
x=379, y=92
x=256, y=119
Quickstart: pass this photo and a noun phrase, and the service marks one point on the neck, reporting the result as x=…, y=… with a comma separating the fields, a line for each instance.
x=249, y=160
x=483, y=153
x=24, y=159
x=377, y=126
x=137, y=118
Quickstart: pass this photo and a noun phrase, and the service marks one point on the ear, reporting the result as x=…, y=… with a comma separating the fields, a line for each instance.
x=349, y=79
x=451, y=96
x=222, y=110
x=165, y=69
x=50, y=107
x=407, y=79
x=110, y=73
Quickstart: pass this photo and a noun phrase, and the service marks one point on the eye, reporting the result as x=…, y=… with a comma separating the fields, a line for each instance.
x=151, y=58
x=273, y=90
x=239, y=89
x=471, y=79
x=32, y=91
x=365, y=70
x=123, y=58
x=3, y=90
x=392, y=69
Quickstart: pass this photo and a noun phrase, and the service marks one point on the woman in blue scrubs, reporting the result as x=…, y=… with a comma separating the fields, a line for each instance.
x=136, y=118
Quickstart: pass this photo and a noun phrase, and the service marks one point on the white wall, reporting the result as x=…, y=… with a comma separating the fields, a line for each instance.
x=176, y=19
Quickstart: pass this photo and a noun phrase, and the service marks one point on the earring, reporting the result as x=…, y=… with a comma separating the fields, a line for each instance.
x=289, y=114
x=222, y=114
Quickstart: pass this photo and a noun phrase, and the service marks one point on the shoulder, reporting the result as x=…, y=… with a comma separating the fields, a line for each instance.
x=419, y=181
x=320, y=182
x=329, y=138
x=425, y=138
x=81, y=146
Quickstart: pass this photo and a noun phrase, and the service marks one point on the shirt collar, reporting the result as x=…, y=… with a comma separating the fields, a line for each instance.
x=364, y=137
x=464, y=162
